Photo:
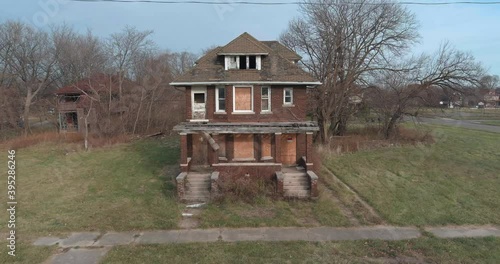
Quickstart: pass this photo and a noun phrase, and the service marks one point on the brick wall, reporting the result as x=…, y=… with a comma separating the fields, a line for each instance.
x=254, y=171
x=280, y=113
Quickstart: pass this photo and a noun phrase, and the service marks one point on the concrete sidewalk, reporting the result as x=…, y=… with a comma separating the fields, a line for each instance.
x=92, y=239
x=90, y=247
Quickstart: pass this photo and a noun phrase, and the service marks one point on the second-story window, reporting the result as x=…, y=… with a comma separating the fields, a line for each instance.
x=288, y=96
x=220, y=99
x=243, y=99
x=243, y=62
x=265, y=99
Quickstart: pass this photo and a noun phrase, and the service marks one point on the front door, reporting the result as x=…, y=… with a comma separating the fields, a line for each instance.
x=289, y=149
x=199, y=102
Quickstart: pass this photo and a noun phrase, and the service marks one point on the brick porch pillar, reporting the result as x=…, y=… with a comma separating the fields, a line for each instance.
x=184, y=152
x=277, y=147
x=309, y=149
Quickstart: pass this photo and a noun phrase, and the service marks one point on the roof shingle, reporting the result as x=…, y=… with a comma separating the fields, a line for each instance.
x=277, y=66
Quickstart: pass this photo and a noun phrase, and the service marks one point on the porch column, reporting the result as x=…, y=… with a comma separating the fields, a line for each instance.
x=277, y=147
x=184, y=151
x=309, y=148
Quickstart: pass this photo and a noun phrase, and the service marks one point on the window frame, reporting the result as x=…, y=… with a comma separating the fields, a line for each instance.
x=268, y=99
x=238, y=62
x=217, y=99
x=291, y=96
x=251, y=98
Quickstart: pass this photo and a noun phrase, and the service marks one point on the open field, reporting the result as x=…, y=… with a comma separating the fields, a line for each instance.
x=491, y=122
x=454, y=181
x=421, y=250
x=62, y=188
x=462, y=113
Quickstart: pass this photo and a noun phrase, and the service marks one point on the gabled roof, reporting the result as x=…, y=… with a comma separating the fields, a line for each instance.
x=277, y=66
x=283, y=50
x=245, y=43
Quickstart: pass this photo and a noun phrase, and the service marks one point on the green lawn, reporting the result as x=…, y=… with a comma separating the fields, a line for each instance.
x=61, y=188
x=462, y=113
x=454, y=181
x=491, y=122
x=430, y=250
x=27, y=254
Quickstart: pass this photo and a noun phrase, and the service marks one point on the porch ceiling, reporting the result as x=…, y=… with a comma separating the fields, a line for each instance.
x=247, y=128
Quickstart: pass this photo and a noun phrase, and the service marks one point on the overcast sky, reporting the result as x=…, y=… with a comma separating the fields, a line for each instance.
x=187, y=27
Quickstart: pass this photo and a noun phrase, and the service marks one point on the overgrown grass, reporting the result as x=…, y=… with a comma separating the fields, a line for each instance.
x=27, y=254
x=454, y=181
x=268, y=212
x=429, y=250
x=61, y=188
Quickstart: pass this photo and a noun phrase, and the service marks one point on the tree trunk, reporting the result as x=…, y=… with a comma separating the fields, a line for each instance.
x=138, y=112
x=389, y=129
x=26, y=113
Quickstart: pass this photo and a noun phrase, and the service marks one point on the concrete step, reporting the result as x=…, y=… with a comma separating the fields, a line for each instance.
x=197, y=199
x=197, y=193
x=197, y=182
x=198, y=188
x=195, y=174
x=296, y=188
x=294, y=181
x=298, y=194
x=294, y=174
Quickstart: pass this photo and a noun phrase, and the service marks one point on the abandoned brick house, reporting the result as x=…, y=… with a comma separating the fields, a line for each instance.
x=246, y=116
x=73, y=101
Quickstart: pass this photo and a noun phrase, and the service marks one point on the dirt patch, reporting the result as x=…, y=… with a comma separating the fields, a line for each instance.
x=190, y=218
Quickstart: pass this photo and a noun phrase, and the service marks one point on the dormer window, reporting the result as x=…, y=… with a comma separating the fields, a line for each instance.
x=243, y=62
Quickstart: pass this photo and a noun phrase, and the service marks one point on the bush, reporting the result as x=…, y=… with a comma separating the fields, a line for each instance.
x=244, y=188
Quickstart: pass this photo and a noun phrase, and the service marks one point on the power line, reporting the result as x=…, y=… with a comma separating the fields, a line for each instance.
x=230, y=2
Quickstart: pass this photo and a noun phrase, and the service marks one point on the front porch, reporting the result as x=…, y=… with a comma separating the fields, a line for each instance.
x=278, y=152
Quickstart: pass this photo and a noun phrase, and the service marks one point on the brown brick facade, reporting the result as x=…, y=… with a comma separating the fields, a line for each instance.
x=266, y=172
x=279, y=112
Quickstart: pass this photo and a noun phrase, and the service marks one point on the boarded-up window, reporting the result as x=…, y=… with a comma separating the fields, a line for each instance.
x=243, y=99
x=266, y=146
x=243, y=146
x=221, y=140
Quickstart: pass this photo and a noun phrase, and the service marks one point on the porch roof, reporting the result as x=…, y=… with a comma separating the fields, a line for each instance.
x=247, y=128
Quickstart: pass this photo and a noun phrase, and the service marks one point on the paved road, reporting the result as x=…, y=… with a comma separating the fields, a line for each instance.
x=470, y=124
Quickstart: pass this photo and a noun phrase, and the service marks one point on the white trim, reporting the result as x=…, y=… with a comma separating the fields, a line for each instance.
x=243, y=82
x=284, y=96
x=268, y=99
x=234, y=100
x=217, y=111
x=259, y=62
x=198, y=120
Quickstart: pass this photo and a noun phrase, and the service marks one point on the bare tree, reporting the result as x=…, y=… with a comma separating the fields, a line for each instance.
x=124, y=48
x=342, y=42
x=181, y=62
x=30, y=61
x=399, y=93
x=80, y=56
